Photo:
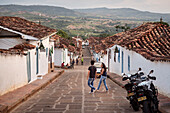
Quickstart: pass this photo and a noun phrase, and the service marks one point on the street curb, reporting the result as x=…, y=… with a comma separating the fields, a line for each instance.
x=121, y=85
x=7, y=109
x=118, y=83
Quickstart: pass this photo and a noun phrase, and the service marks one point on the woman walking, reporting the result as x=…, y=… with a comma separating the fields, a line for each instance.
x=103, y=76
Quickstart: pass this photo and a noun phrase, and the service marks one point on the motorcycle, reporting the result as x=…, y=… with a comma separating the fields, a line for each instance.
x=131, y=88
x=147, y=94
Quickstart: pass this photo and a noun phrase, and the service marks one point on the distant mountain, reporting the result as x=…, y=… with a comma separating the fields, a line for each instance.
x=48, y=10
x=125, y=13
x=116, y=13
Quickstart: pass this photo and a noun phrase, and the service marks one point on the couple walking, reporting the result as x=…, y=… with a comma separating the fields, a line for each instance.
x=92, y=76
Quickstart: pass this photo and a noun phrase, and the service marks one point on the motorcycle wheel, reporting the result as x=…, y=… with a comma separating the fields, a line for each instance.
x=146, y=107
x=135, y=105
x=154, y=107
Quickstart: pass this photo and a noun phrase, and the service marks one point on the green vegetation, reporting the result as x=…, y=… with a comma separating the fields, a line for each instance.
x=63, y=34
x=164, y=23
x=104, y=35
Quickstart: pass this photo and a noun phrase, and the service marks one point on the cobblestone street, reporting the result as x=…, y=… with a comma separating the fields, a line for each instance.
x=69, y=93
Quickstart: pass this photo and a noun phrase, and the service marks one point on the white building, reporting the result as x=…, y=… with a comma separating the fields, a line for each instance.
x=148, y=47
x=14, y=58
x=36, y=59
x=61, y=55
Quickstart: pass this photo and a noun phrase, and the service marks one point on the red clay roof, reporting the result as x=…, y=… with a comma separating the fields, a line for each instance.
x=71, y=48
x=24, y=46
x=151, y=40
x=18, y=49
x=97, y=44
x=25, y=26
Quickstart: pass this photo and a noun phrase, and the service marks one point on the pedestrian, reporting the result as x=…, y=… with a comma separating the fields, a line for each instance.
x=77, y=61
x=73, y=63
x=82, y=61
x=103, y=76
x=91, y=76
x=62, y=65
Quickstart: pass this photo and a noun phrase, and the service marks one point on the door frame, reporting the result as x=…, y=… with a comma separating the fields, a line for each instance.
x=28, y=67
x=122, y=70
x=37, y=61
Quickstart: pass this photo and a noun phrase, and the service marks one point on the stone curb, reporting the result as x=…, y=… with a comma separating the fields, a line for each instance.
x=121, y=85
x=7, y=109
x=117, y=82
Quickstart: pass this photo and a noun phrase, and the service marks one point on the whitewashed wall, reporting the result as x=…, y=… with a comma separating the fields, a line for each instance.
x=58, y=56
x=115, y=67
x=105, y=60
x=43, y=58
x=33, y=64
x=13, y=72
x=67, y=58
x=161, y=69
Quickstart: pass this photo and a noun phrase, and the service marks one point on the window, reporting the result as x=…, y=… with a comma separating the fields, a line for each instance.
x=128, y=63
x=119, y=56
x=46, y=52
x=114, y=56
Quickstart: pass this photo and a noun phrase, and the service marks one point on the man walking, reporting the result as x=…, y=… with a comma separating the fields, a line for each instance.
x=91, y=76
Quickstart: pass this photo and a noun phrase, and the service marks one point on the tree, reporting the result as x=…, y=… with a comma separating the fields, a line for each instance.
x=122, y=27
x=117, y=27
x=126, y=27
x=63, y=34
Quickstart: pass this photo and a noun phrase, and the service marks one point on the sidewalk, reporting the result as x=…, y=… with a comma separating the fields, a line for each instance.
x=13, y=98
x=164, y=104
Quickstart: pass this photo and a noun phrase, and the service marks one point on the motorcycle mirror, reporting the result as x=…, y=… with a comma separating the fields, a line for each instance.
x=140, y=69
x=151, y=71
x=123, y=74
x=152, y=77
x=124, y=78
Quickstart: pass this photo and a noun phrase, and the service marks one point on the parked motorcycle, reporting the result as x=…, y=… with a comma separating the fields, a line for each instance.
x=147, y=94
x=141, y=92
x=131, y=88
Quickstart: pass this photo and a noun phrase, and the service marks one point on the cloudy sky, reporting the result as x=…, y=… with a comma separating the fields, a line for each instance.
x=162, y=6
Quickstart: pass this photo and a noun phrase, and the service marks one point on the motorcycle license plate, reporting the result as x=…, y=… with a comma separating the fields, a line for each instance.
x=142, y=98
x=130, y=94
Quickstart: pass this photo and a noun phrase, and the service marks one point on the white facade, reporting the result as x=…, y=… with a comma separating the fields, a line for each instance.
x=43, y=58
x=18, y=70
x=104, y=59
x=60, y=56
x=13, y=72
x=161, y=69
x=33, y=65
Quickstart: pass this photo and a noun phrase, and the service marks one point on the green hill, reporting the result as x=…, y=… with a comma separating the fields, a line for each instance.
x=125, y=13
x=48, y=10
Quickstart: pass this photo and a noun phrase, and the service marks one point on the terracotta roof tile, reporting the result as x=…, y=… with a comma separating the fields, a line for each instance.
x=24, y=46
x=18, y=49
x=26, y=27
x=71, y=48
x=151, y=40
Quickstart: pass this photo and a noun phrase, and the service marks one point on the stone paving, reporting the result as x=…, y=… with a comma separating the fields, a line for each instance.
x=69, y=93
